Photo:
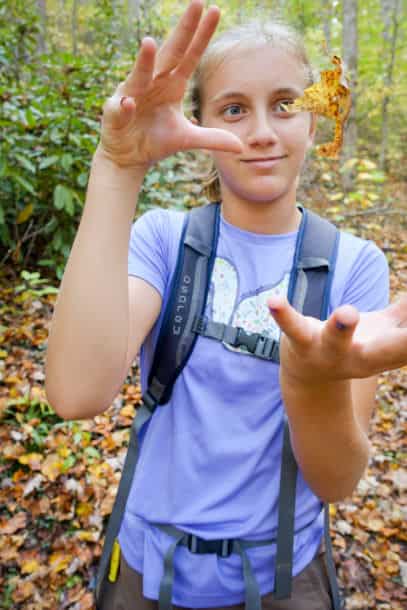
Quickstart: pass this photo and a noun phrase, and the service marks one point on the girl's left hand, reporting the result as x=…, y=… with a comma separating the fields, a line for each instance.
x=346, y=346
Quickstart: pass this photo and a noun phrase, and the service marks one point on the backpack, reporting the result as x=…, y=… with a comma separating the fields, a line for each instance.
x=308, y=291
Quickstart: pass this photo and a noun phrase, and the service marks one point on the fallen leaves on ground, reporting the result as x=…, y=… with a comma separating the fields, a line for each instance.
x=58, y=479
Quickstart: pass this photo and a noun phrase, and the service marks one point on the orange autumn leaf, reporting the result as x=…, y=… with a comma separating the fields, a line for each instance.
x=330, y=98
x=10, y=526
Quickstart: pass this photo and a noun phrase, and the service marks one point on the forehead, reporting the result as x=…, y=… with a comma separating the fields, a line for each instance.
x=255, y=71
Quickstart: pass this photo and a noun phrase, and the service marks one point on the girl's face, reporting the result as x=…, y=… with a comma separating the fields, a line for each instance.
x=245, y=96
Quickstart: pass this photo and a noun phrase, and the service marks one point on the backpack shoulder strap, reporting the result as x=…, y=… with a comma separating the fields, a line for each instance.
x=313, y=266
x=308, y=291
x=196, y=257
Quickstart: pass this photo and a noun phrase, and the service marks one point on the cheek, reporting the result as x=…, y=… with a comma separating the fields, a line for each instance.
x=295, y=135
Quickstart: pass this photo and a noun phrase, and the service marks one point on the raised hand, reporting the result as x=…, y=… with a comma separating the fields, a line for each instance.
x=348, y=345
x=144, y=121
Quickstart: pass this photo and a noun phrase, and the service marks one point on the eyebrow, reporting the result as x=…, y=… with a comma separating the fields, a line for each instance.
x=233, y=94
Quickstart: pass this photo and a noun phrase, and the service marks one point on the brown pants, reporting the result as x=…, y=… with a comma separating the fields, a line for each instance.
x=310, y=591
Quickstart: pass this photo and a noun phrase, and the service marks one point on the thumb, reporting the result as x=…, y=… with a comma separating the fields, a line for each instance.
x=211, y=139
x=293, y=324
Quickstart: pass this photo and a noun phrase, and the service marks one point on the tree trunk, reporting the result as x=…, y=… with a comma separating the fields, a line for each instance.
x=42, y=34
x=390, y=9
x=326, y=23
x=134, y=13
x=147, y=17
x=74, y=26
x=350, y=57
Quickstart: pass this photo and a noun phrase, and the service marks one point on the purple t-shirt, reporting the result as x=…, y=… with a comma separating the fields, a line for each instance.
x=210, y=458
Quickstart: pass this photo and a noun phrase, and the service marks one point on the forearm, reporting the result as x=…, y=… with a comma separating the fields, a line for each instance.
x=328, y=443
x=87, y=343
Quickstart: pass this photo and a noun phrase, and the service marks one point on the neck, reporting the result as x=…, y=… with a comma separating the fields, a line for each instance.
x=269, y=217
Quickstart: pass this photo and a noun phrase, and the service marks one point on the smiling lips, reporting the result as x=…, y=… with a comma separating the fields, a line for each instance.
x=263, y=162
x=262, y=159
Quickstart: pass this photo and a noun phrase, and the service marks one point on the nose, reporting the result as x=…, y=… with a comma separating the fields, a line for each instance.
x=262, y=132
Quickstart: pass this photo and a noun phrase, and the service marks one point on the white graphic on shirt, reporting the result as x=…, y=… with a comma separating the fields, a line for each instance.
x=252, y=312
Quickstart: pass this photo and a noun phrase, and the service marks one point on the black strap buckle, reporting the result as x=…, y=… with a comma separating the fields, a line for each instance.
x=245, y=339
x=257, y=344
x=199, y=546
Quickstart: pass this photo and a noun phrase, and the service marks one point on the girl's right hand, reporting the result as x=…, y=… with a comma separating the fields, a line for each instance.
x=143, y=122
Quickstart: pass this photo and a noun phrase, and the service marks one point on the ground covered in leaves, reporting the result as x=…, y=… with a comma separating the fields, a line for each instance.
x=58, y=479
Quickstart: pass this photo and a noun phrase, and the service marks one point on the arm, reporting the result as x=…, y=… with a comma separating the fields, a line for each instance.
x=92, y=339
x=337, y=413
x=89, y=341
x=328, y=378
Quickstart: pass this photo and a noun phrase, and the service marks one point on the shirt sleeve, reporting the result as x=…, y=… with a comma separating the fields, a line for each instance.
x=147, y=255
x=367, y=286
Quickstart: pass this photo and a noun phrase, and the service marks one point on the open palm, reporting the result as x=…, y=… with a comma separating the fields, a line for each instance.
x=347, y=345
x=144, y=121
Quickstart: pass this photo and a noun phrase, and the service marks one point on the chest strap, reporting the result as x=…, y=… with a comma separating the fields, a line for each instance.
x=221, y=547
x=255, y=343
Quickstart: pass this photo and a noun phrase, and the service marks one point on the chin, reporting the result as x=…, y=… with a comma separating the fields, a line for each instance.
x=264, y=194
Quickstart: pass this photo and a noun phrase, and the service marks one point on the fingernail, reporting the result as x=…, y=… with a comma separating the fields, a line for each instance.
x=340, y=326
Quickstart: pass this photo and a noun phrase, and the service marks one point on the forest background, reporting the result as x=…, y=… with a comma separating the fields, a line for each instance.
x=59, y=61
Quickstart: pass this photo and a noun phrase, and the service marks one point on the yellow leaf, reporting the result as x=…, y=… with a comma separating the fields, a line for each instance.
x=367, y=164
x=33, y=460
x=87, y=536
x=63, y=451
x=59, y=561
x=52, y=466
x=128, y=411
x=84, y=509
x=330, y=98
x=30, y=566
x=12, y=379
x=3, y=353
x=25, y=214
x=336, y=197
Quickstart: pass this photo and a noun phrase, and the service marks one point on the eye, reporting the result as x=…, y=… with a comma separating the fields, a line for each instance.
x=283, y=106
x=232, y=108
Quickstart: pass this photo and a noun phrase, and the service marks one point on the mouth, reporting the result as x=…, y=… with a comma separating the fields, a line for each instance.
x=263, y=162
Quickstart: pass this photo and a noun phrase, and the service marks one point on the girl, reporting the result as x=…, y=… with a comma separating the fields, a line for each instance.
x=210, y=459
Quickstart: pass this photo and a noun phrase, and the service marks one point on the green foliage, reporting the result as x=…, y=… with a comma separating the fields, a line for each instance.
x=50, y=129
x=51, y=104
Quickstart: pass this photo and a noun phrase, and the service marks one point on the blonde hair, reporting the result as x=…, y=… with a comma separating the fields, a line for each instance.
x=247, y=36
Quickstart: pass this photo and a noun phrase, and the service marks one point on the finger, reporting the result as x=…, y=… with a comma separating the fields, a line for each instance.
x=174, y=48
x=210, y=139
x=338, y=330
x=141, y=75
x=118, y=110
x=199, y=43
x=293, y=324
